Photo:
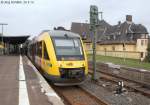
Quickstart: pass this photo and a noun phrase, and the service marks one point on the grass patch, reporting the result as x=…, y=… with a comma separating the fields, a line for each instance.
x=120, y=61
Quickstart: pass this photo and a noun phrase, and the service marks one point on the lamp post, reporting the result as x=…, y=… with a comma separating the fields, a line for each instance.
x=2, y=41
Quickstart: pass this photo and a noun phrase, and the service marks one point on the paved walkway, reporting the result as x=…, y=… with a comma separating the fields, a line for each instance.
x=9, y=80
x=16, y=91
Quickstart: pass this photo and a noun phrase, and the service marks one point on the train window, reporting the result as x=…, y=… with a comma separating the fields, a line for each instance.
x=39, y=49
x=68, y=46
x=36, y=48
x=45, y=52
x=33, y=49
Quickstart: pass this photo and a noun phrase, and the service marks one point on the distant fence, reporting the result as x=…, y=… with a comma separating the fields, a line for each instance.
x=120, y=54
x=139, y=75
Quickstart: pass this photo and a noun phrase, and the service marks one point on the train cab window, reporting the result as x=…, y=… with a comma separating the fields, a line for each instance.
x=45, y=52
x=68, y=48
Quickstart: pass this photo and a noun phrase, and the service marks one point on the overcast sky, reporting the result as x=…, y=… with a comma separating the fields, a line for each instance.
x=31, y=19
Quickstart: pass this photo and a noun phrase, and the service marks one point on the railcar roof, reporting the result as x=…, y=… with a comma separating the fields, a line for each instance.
x=58, y=33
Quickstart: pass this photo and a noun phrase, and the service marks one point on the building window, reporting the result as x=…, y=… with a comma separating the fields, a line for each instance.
x=142, y=42
x=131, y=37
x=108, y=37
x=105, y=49
x=114, y=37
x=146, y=42
x=142, y=54
x=111, y=37
x=88, y=46
x=113, y=48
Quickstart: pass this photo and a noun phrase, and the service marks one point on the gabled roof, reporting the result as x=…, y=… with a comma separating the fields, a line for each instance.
x=122, y=32
x=103, y=23
x=126, y=31
x=83, y=29
x=138, y=28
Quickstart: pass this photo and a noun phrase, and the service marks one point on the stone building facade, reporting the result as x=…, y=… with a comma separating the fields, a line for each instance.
x=125, y=39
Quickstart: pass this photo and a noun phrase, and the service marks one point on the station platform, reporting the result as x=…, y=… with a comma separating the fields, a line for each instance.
x=22, y=84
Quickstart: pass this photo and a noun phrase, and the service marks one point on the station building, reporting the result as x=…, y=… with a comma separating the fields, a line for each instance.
x=126, y=39
x=11, y=44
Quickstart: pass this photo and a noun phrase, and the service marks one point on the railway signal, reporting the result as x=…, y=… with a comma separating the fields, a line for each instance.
x=93, y=25
x=93, y=17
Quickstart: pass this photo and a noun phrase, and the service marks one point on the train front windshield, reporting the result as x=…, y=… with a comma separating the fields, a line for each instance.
x=68, y=49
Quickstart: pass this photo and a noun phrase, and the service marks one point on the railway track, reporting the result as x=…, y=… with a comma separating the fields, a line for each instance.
x=75, y=95
x=134, y=85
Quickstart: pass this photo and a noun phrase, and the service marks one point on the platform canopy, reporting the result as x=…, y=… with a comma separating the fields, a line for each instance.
x=14, y=39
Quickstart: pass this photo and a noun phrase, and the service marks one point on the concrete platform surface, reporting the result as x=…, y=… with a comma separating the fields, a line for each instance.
x=9, y=84
x=22, y=84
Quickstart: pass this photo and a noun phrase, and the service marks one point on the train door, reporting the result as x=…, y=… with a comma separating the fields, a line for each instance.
x=42, y=57
x=39, y=54
x=46, y=64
